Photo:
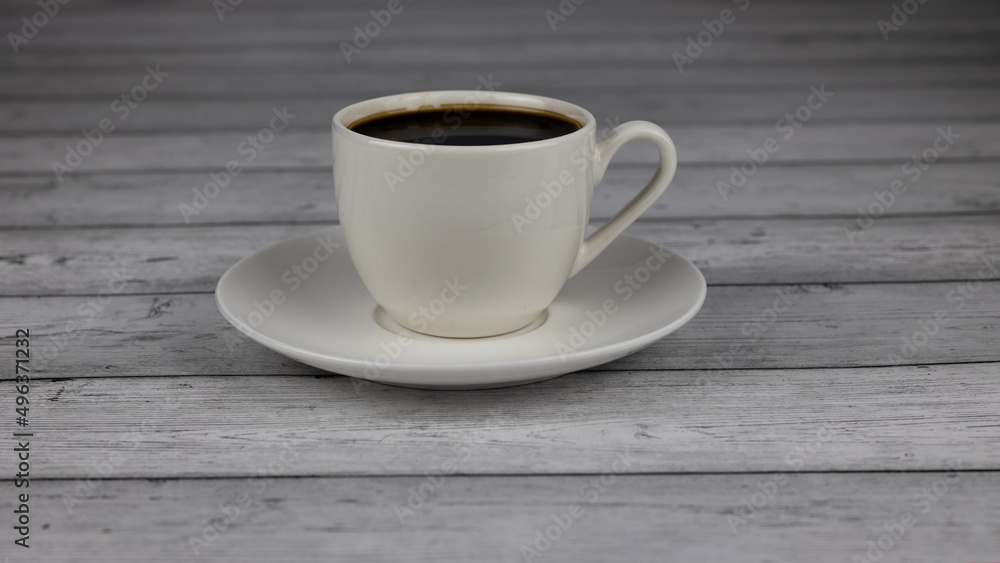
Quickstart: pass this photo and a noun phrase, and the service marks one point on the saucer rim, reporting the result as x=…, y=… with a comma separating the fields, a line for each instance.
x=605, y=353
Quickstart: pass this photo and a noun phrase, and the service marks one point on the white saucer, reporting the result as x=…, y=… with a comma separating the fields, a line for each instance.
x=331, y=322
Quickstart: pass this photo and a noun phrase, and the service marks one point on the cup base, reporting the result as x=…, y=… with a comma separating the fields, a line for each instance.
x=386, y=321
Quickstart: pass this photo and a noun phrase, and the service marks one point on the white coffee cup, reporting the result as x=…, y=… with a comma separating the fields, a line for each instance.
x=473, y=241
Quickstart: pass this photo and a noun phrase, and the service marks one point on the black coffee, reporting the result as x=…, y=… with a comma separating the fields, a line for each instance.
x=466, y=126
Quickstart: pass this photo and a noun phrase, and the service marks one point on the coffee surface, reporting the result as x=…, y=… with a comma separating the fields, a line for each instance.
x=466, y=127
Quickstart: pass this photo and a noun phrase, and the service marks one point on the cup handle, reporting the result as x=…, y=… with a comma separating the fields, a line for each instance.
x=603, y=152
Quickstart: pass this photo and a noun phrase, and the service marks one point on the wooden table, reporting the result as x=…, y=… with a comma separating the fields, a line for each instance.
x=858, y=422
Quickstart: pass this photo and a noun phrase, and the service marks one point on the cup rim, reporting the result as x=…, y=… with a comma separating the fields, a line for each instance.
x=347, y=116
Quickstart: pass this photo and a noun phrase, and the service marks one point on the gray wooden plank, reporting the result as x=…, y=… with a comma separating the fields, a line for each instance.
x=208, y=76
x=184, y=334
x=304, y=196
x=655, y=518
x=692, y=421
x=304, y=38
x=307, y=196
x=553, y=50
x=726, y=143
x=746, y=251
x=911, y=104
x=304, y=11
x=528, y=16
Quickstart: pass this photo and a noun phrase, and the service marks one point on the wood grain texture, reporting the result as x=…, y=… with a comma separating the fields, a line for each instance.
x=695, y=145
x=606, y=51
x=909, y=104
x=839, y=414
x=690, y=421
x=214, y=75
x=728, y=251
x=655, y=518
x=307, y=196
x=179, y=42
x=184, y=334
x=523, y=18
